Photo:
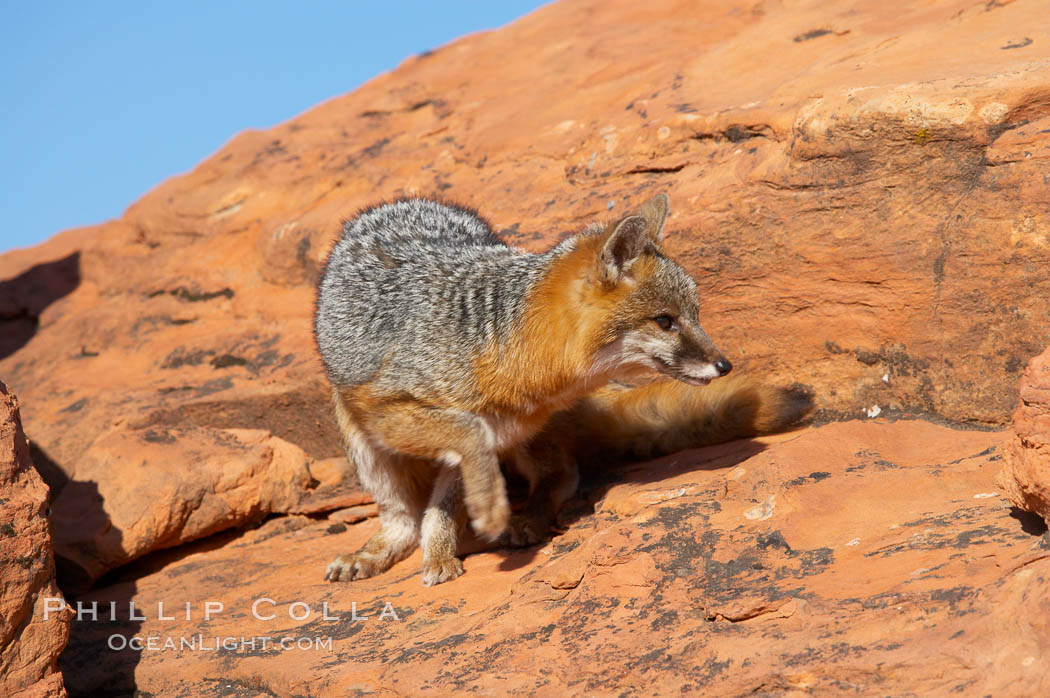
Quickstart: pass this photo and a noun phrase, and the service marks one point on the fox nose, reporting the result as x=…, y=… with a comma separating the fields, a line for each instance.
x=723, y=366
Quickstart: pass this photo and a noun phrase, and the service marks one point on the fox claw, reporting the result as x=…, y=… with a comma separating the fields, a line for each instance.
x=347, y=568
x=438, y=571
x=523, y=531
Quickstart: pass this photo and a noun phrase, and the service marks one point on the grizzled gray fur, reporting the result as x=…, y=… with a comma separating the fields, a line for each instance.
x=421, y=287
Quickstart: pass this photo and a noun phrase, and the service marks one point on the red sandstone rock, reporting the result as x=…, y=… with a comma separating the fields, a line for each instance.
x=1025, y=476
x=861, y=192
x=860, y=557
x=142, y=490
x=29, y=642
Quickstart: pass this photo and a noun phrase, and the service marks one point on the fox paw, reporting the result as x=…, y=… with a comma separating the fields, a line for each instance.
x=523, y=531
x=493, y=522
x=441, y=570
x=347, y=568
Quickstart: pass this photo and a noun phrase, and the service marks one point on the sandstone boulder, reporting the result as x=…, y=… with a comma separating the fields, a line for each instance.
x=140, y=490
x=1025, y=476
x=32, y=630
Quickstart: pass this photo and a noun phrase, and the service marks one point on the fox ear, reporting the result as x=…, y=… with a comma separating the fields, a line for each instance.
x=655, y=212
x=622, y=247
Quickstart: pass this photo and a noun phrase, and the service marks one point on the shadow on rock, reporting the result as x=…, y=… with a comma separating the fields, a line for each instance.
x=100, y=658
x=24, y=297
x=1032, y=524
x=103, y=650
x=596, y=481
x=50, y=471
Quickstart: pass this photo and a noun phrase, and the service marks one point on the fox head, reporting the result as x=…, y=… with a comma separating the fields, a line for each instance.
x=654, y=320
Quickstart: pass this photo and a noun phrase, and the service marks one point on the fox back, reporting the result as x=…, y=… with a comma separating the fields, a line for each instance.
x=412, y=291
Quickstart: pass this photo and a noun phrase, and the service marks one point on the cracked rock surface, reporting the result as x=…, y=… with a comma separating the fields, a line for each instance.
x=32, y=630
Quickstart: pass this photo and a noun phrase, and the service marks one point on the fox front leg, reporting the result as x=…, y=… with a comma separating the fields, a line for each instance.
x=442, y=521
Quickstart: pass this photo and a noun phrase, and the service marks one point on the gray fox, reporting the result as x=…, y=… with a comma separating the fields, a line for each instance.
x=448, y=350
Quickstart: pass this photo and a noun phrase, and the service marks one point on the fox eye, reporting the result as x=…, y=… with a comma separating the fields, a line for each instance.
x=666, y=322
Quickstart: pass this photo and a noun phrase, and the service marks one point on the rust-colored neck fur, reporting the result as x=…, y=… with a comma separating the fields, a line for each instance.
x=550, y=362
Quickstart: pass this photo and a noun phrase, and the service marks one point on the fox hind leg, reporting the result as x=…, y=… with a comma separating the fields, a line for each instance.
x=455, y=439
x=399, y=486
x=400, y=515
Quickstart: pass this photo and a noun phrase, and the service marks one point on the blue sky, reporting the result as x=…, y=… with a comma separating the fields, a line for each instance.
x=104, y=100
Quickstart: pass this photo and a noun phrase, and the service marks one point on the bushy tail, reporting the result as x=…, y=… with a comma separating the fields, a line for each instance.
x=669, y=416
